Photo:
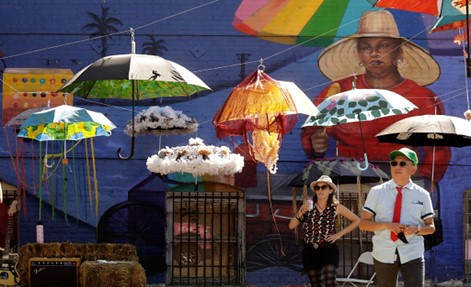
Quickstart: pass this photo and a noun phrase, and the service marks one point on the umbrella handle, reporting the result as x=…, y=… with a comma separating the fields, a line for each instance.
x=366, y=164
x=46, y=163
x=133, y=139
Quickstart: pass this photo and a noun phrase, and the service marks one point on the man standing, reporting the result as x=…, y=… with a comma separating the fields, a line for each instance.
x=399, y=212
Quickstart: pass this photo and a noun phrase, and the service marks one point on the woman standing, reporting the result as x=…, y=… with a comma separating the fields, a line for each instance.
x=320, y=253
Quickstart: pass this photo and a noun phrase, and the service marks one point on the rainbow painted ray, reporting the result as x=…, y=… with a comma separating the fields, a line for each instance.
x=312, y=23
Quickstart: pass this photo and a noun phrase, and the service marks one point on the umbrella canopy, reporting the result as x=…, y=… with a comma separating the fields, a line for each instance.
x=359, y=105
x=447, y=11
x=161, y=121
x=154, y=77
x=134, y=76
x=265, y=109
x=260, y=102
x=65, y=123
x=428, y=130
x=197, y=159
x=341, y=170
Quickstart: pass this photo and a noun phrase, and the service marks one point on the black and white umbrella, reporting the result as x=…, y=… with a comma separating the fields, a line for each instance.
x=133, y=76
x=428, y=130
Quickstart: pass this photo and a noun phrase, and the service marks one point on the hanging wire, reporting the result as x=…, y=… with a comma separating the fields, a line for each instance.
x=354, y=21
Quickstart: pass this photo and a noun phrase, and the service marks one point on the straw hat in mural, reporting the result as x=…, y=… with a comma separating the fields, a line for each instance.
x=340, y=59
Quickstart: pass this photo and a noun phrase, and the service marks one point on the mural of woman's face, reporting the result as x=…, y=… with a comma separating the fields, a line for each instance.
x=379, y=56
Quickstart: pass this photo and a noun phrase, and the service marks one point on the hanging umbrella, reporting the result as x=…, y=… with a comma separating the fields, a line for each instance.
x=264, y=109
x=359, y=105
x=134, y=76
x=161, y=121
x=449, y=13
x=315, y=23
x=428, y=130
x=197, y=159
x=65, y=123
x=341, y=170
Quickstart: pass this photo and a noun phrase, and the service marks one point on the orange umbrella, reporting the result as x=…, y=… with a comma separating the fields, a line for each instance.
x=262, y=109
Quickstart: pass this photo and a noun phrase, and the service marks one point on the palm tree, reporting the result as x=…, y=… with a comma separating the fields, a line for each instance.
x=154, y=47
x=102, y=26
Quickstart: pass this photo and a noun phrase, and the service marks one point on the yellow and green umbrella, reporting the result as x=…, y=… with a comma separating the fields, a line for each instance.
x=65, y=123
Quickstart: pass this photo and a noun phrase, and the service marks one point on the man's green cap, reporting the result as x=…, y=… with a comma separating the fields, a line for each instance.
x=410, y=154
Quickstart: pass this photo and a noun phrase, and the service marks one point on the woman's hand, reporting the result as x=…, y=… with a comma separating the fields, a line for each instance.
x=333, y=237
x=303, y=209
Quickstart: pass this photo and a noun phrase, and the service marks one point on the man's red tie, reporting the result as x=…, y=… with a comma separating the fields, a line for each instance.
x=397, y=211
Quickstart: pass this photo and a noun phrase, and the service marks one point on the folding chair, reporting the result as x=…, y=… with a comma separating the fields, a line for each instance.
x=365, y=258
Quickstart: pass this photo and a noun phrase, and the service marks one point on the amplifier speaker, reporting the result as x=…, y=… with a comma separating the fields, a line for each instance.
x=53, y=272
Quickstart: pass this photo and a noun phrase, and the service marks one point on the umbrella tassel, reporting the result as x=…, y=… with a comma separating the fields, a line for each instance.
x=95, y=179
x=76, y=189
x=88, y=176
x=40, y=187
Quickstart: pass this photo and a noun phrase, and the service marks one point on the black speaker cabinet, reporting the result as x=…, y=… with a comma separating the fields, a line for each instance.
x=53, y=272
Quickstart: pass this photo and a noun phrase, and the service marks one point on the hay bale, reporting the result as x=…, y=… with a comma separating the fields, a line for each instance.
x=112, y=273
x=84, y=251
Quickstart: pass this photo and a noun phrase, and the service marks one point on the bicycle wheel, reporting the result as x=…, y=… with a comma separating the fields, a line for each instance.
x=275, y=250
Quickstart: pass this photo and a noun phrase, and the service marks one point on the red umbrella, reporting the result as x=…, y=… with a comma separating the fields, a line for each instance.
x=451, y=14
x=262, y=109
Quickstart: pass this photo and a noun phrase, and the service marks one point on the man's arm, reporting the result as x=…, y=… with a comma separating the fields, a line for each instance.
x=367, y=224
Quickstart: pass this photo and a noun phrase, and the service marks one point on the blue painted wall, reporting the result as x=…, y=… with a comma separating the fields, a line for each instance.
x=198, y=35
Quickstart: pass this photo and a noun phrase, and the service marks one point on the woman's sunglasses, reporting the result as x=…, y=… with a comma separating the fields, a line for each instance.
x=400, y=163
x=321, y=187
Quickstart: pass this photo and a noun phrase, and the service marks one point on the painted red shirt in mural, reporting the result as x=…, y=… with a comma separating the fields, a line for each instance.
x=348, y=137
